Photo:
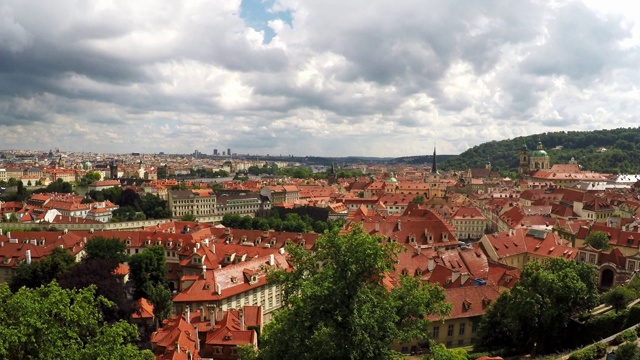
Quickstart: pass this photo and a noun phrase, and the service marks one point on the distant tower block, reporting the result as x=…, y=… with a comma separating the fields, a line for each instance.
x=229, y=151
x=332, y=177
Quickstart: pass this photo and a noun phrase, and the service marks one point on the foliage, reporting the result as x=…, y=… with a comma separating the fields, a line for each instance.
x=208, y=173
x=440, y=352
x=154, y=207
x=188, y=217
x=618, y=297
x=58, y=186
x=99, y=247
x=418, y=199
x=99, y=272
x=624, y=336
x=620, y=157
x=598, y=240
x=591, y=352
x=148, y=271
x=42, y=272
x=247, y=352
x=53, y=323
x=628, y=351
x=336, y=305
x=90, y=177
x=293, y=222
x=535, y=314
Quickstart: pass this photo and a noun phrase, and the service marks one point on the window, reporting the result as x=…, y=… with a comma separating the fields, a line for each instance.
x=461, y=329
x=450, y=330
x=592, y=258
x=435, y=333
x=632, y=265
x=474, y=327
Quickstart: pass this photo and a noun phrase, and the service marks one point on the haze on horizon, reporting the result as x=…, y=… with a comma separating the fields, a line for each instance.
x=323, y=78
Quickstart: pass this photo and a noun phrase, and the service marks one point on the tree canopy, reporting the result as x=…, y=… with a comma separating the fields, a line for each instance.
x=42, y=272
x=534, y=315
x=99, y=247
x=336, y=306
x=53, y=323
x=148, y=271
x=598, y=240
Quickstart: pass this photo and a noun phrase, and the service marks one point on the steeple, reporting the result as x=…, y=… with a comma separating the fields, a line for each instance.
x=434, y=168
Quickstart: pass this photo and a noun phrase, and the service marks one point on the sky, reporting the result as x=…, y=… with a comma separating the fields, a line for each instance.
x=312, y=77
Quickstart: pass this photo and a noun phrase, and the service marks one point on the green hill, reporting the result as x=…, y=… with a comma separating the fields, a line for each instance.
x=622, y=155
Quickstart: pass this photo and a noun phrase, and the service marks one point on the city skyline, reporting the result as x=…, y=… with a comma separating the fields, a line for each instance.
x=311, y=78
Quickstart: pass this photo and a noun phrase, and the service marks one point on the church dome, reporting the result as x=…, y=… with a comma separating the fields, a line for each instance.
x=539, y=153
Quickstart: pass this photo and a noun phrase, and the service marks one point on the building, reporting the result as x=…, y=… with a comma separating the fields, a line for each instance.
x=469, y=222
x=195, y=202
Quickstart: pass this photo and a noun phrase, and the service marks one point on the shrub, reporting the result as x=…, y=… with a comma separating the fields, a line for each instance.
x=627, y=335
x=627, y=351
x=592, y=352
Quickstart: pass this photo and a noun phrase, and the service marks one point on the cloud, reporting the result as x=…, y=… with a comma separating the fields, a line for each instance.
x=330, y=78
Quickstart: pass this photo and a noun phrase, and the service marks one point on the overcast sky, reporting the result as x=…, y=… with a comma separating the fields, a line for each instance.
x=311, y=77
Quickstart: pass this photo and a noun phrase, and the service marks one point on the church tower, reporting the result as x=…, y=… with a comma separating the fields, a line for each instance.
x=523, y=168
x=434, y=166
x=332, y=177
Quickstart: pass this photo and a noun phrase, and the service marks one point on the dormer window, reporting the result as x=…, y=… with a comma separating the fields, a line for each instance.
x=234, y=279
x=147, y=242
x=253, y=280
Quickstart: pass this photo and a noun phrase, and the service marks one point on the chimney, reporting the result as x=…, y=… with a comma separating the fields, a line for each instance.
x=9, y=234
x=431, y=265
x=399, y=224
x=241, y=312
x=378, y=225
x=218, y=289
x=178, y=347
x=272, y=260
x=213, y=248
x=188, y=315
x=201, y=313
x=27, y=256
x=204, y=271
x=0, y=232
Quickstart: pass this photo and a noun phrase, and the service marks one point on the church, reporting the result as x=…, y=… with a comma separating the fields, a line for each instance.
x=534, y=161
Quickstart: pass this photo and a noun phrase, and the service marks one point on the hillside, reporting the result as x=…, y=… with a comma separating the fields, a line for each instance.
x=622, y=155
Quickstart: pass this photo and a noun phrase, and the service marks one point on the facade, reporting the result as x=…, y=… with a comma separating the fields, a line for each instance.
x=469, y=222
x=196, y=202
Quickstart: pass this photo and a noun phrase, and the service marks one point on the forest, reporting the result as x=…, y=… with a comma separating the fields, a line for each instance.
x=606, y=151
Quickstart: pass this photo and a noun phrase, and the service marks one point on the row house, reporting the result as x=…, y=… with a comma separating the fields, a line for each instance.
x=469, y=223
x=517, y=247
x=207, y=333
x=32, y=246
x=241, y=204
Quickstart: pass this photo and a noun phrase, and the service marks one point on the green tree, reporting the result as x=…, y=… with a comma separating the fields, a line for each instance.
x=598, y=240
x=90, y=178
x=418, y=199
x=44, y=271
x=440, y=352
x=247, y=352
x=99, y=247
x=336, y=306
x=148, y=271
x=53, y=323
x=618, y=297
x=188, y=217
x=628, y=351
x=535, y=313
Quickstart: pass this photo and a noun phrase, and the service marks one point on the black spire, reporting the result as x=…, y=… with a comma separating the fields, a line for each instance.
x=434, y=168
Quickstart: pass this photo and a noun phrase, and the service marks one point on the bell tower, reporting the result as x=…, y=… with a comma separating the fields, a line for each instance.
x=523, y=168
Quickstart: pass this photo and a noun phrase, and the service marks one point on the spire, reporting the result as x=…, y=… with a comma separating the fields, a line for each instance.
x=434, y=168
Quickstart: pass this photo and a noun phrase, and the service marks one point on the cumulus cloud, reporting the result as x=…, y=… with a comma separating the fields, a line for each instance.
x=329, y=77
